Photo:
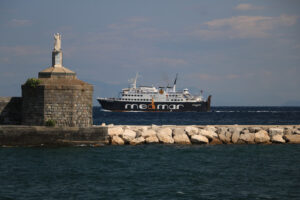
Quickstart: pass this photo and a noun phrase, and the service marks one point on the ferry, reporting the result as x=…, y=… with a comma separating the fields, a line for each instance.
x=152, y=99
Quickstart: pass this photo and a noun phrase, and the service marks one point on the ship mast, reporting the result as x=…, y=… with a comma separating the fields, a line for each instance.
x=174, y=86
x=133, y=84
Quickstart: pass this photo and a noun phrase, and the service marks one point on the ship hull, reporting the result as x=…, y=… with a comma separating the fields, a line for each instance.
x=125, y=106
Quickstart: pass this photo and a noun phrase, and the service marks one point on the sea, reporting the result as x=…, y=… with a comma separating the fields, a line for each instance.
x=159, y=171
x=218, y=116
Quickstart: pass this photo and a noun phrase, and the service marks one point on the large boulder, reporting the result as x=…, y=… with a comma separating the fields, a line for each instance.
x=143, y=128
x=296, y=131
x=146, y=133
x=154, y=127
x=235, y=135
x=214, y=141
x=261, y=137
x=225, y=137
x=209, y=133
x=165, y=135
x=275, y=131
x=136, y=141
x=210, y=128
x=128, y=135
x=152, y=139
x=116, y=140
x=178, y=131
x=191, y=130
x=199, y=139
x=277, y=139
x=247, y=137
x=253, y=129
x=221, y=130
x=180, y=137
x=294, y=139
x=117, y=130
x=288, y=131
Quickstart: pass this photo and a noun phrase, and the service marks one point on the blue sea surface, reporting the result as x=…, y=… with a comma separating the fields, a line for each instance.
x=151, y=172
x=218, y=116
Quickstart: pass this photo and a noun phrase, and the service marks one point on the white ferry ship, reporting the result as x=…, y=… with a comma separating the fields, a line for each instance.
x=152, y=99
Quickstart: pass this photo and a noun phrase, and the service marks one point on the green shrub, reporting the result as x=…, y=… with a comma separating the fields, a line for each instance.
x=50, y=122
x=33, y=82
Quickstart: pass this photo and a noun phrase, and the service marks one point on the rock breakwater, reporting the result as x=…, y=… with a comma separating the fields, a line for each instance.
x=220, y=134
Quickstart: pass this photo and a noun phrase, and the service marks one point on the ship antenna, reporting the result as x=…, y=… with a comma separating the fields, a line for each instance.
x=134, y=80
x=174, y=86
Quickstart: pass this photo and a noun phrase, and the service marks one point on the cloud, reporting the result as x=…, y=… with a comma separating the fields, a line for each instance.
x=243, y=26
x=245, y=6
x=287, y=20
x=20, y=22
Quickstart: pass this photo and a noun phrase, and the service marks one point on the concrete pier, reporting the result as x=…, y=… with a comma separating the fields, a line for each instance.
x=14, y=135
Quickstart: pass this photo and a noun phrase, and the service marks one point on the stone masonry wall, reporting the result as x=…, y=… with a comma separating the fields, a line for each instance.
x=69, y=105
x=33, y=105
x=67, y=102
x=10, y=110
x=83, y=107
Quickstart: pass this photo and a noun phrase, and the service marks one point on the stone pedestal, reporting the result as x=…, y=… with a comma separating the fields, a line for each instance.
x=67, y=102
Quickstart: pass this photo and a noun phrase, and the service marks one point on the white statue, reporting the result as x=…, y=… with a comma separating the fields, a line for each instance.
x=57, y=42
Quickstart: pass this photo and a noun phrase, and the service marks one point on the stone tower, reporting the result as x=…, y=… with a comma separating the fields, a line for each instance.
x=57, y=95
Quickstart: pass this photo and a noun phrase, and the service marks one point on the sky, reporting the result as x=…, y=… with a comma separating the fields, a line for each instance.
x=242, y=52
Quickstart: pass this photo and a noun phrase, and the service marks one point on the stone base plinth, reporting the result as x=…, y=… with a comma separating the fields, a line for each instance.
x=68, y=102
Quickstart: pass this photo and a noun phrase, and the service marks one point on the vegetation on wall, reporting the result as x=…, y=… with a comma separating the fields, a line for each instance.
x=33, y=82
x=50, y=122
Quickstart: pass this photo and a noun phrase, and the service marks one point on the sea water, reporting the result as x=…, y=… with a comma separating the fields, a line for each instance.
x=160, y=171
x=217, y=116
x=151, y=172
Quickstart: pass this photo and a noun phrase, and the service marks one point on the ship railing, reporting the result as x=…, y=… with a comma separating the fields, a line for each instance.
x=110, y=98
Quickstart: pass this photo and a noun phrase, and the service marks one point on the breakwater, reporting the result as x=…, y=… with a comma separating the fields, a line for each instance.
x=134, y=135
x=219, y=134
